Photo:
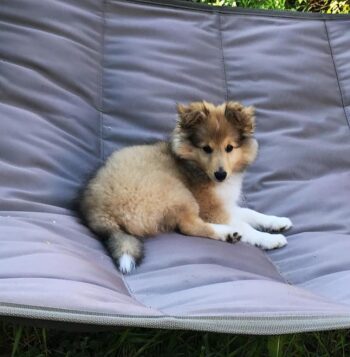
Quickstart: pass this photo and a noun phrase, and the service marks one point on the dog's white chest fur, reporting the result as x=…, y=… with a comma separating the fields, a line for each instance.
x=229, y=192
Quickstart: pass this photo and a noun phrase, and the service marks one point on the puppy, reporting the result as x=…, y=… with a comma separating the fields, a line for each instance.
x=191, y=183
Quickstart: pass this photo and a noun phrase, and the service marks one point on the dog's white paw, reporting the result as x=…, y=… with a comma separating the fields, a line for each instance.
x=264, y=240
x=273, y=241
x=278, y=224
x=226, y=233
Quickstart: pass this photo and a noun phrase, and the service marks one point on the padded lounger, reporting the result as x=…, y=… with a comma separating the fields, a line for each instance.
x=79, y=79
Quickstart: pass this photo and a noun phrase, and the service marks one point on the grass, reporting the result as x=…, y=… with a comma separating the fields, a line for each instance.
x=37, y=342
x=325, y=6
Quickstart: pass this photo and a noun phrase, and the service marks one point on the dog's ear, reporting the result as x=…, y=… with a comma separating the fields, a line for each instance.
x=192, y=114
x=241, y=117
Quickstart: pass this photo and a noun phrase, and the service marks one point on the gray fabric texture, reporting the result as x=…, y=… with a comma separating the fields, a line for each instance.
x=81, y=79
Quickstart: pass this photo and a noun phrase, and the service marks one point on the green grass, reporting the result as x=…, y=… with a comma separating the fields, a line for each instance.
x=325, y=6
x=36, y=342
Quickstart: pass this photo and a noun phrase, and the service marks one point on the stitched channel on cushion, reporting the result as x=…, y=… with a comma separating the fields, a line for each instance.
x=222, y=56
x=103, y=31
x=341, y=90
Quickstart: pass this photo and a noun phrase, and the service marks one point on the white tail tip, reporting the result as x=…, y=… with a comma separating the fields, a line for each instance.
x=126, y=263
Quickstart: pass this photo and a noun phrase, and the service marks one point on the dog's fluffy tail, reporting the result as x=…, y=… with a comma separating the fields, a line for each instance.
x=126, y=250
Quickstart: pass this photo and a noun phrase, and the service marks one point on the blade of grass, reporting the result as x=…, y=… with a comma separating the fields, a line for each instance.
x=275, y=346
x=18, y=334
x=151, y=342
x=45, y=342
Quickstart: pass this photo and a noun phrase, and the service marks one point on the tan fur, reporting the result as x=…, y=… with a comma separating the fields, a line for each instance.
x=211, y=209
x=148, y=189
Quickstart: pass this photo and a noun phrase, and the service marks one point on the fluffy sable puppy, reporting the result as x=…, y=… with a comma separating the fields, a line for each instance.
x=191, y=184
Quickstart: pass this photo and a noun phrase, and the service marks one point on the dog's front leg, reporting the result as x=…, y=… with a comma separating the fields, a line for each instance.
x=262, y=221
x=260, y=239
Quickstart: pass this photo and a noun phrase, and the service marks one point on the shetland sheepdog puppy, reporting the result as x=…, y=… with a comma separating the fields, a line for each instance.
x=191, y=184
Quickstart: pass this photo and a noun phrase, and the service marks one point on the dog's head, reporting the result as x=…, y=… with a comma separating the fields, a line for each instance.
x=218, y=139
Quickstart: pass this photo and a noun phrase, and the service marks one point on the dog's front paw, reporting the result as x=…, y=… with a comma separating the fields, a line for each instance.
x=233, y=237
x=273, y=241
x=278, y=224
x=226, y=233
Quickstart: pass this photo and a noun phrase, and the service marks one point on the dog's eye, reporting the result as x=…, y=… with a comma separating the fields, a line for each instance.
x=229, y=148
x=208, y=149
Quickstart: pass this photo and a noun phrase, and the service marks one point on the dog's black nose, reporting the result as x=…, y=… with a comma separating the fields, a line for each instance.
x=220, y=175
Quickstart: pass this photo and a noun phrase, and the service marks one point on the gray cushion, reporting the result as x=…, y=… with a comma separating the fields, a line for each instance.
x=79, y=80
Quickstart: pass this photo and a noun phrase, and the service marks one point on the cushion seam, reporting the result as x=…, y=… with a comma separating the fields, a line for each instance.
x=341, y=90
x=132, y=294
x=223, y=66
x=101, y=91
